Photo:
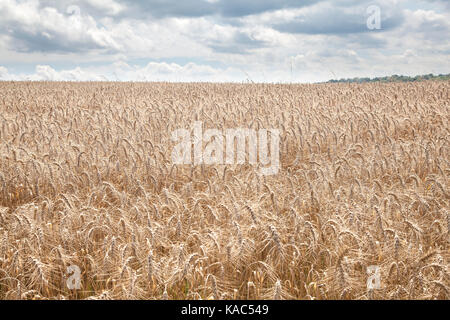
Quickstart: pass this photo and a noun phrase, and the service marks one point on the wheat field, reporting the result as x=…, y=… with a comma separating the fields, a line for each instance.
x=86, y=179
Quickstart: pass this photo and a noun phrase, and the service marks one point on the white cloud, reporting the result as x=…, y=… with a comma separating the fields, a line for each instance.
x=109, y=7
x=162, y=71
x=120, y=70
x=4, y=73
x=32, y=28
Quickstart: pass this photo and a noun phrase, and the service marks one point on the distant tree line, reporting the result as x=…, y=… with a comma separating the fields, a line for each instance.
x=395, y=78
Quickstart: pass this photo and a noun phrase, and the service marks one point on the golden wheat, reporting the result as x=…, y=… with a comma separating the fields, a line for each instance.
x=86, y=180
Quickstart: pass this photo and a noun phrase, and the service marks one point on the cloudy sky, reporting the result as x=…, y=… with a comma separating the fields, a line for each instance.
x=222, y=40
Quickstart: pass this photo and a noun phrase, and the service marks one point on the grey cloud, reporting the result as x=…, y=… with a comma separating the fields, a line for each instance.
x=39, y=42
x=238, y=8
x=338, y=22
x=168, y=8
x=155, y=9
x=65, y=34
x=146, y=9
x=240, y=43
x=443, y=3
x=197, y=8
x=87, y=7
